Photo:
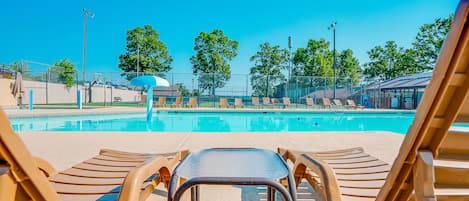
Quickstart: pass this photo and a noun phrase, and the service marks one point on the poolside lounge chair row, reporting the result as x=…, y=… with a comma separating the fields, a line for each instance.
x=266, y=102
x=337, y=103
x=223, y=102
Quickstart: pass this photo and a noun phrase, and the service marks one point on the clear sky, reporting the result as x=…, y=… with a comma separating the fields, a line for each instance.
x=50, y=30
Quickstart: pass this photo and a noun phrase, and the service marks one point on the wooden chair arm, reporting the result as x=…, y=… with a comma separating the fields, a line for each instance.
x=45, y=167
x=328, y=187
x=131, y=189
x=424, y=177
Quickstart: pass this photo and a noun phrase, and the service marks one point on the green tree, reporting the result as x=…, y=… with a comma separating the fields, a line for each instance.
x=144, y=45
x=383, y=61
x=267, y=70
x=429, y=41
x=348, y=67
x=183, y=89
x=391, y=61
x=65, y=72
x=212, y=53
x=314, y=60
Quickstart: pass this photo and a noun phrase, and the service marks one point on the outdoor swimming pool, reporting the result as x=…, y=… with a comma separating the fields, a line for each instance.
x=222, y=122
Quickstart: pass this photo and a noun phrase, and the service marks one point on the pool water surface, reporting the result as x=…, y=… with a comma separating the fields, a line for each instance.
x=223, y=122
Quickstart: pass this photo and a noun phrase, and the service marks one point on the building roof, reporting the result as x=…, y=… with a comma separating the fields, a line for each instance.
x=419, y=80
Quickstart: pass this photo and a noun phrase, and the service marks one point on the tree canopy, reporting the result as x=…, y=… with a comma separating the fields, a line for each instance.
x=429, y=40
x=348, y=67
x=212, y=53
x=316, y=60
x=392, y=61
x=65, y=71
x=266, y=73
x=144, y=45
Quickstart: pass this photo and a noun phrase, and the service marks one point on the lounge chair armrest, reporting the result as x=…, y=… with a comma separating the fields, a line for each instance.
x=328, y=182
x=424, y=176
x=131, y=189
x=45, y=167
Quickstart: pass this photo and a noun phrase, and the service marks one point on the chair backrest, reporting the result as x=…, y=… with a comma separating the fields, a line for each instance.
x=351, y=103
x=238, y=102
x=309, y=101
x=161, y=100
x=143, y=99
x=286, y=100
x=326, y=102
x=223, y=102
x=266, y=101
x=337, y=102
x=22, y=166
x=178, y=100
x=255, y=101
x=275, y=101
x=192, y=101
x=443, y=103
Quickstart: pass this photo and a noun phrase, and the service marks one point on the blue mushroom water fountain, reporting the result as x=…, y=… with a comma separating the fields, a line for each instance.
x=149, y=82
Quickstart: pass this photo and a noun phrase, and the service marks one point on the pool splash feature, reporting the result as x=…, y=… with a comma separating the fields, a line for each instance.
x=222, y=122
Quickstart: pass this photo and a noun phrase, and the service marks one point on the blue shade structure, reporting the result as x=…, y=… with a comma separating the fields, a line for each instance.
x=149, y=82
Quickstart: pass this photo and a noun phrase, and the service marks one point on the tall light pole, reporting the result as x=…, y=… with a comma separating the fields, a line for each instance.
x=333, y=25
x=290, y=41
x=86, y=13
x=138, y=58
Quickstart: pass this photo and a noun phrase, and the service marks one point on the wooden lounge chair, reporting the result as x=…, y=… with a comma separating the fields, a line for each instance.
x=326, y=102
x=351, y=104
x=238, y=103
x=338, y=103
x=433, y=161
x=310, y=102
x=192, y=102
x=286, y=102
x=177, y=102
x=255, y=102
x=275, y=102
x=161, y=101
x=143, y=99
x=111, y=175
x=266, y=102
x=224, y=103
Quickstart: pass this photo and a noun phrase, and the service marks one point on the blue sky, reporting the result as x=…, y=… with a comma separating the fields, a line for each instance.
x=49, y=30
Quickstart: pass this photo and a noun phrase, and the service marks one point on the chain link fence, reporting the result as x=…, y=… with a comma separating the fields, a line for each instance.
x=101, y=89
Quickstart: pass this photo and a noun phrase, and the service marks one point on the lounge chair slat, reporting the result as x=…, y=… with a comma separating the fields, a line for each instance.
x=374, y=184
x=118, y=159
x=362, y=177
x=112, y=163
x=82, y=197
x=345, y=156
x=355, y=198
x=85, y=166
x=375, y=163
x=62, y=178
x=93, y=174
x=455, y=191
x=85, y=189
x=368, y=170
x=352, y=160
x=361, y=192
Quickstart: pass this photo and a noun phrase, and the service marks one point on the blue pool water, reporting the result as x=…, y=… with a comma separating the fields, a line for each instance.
x=222, y=122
